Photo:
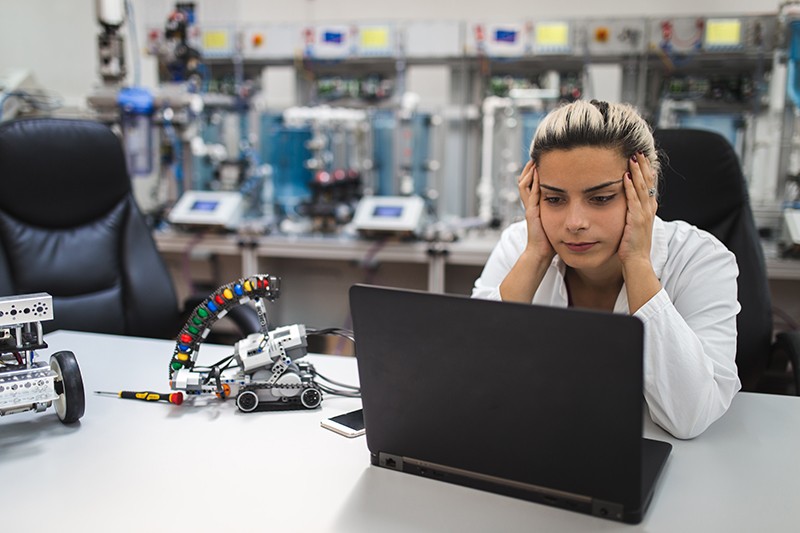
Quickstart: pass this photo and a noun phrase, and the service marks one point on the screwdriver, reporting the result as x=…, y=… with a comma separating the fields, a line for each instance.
x=147, y=396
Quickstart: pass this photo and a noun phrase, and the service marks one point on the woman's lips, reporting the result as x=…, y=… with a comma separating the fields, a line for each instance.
x=579, y=246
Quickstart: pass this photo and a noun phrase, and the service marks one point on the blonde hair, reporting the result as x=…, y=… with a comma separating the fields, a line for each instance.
x=599, y=124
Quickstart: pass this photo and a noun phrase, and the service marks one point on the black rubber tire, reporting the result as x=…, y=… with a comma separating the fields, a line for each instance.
x=71, y=402
x=247, y=401
x=311, y=398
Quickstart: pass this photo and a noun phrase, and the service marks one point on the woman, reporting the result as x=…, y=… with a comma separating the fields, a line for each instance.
x=591, y=239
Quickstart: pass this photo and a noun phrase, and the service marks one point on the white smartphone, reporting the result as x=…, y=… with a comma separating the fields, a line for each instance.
x=349, y=424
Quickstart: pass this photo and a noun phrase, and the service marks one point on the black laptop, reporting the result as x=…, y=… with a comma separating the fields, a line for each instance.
x=539, y=403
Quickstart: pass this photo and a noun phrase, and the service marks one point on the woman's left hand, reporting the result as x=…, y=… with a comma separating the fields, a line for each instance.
x=640, y=192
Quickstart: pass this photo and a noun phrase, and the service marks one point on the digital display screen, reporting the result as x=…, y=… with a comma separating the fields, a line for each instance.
x=552, y=34
x=388, y=211
x=334, y=37
x=374, y=38
x=505, y=36
x=723, y=32
x=205, y=205
x=216, y=40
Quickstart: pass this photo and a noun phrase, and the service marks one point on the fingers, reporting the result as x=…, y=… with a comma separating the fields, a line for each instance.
x=527, y=175
x=526, y=183
x=643, y=181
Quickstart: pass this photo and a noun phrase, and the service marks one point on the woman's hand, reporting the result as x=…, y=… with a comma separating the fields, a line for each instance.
x=637, y=238
x=529, y=192
x=640, y=192
x=524, y=278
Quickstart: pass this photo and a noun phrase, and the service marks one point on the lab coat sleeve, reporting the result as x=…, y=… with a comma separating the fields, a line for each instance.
x=508, y=249
x=690, y=372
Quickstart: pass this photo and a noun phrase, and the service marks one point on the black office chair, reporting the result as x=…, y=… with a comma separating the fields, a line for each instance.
x=69, y=226
x=703, y=184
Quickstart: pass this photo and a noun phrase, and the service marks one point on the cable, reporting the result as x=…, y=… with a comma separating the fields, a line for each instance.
x=346, y=394
x=224, y=361
x=341, y=332
x=333, y=382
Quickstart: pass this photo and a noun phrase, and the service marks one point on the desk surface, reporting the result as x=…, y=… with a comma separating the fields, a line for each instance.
x=131, y=465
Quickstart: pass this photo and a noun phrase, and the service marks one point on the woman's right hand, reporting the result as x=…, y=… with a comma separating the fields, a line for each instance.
x=530, y=193
x=524, y=278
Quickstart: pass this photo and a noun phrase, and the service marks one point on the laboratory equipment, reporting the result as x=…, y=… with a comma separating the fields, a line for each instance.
x=713, y=73
x=321, y=157
x=179, y=57
x=334, y=196
x=136, y=105
x=215, y=210
x=390, y=216
x=110, y=45
x=790, y=232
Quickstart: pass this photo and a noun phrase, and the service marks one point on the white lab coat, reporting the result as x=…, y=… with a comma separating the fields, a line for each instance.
x=690, y=374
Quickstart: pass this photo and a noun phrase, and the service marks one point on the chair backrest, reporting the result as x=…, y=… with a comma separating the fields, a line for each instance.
x=69, y=226
x=703, y=184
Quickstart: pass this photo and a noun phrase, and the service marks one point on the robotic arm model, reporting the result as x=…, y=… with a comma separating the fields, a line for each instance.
x=264, y=368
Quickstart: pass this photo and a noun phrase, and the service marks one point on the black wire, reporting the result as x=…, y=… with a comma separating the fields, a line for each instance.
x=225, y=360
x=341, y=332
x=333, y=382
x=336, y=392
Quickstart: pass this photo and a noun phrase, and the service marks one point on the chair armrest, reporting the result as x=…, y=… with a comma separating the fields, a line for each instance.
x=788, y=343
x=245, y=318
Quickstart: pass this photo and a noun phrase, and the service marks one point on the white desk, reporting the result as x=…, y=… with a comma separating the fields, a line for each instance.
x=136, y=466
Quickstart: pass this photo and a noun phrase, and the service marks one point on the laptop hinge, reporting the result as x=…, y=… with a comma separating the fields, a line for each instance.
x=520, y=485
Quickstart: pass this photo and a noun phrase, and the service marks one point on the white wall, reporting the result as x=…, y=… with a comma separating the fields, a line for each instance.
x=56, y=39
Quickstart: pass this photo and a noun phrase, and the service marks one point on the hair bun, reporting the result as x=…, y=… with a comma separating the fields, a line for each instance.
x=602, y=107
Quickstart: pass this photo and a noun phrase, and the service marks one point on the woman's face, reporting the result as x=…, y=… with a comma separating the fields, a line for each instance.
x=583, y=205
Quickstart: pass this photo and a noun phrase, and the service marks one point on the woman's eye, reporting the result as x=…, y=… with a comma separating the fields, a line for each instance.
x=603, y=199
x=553, y=200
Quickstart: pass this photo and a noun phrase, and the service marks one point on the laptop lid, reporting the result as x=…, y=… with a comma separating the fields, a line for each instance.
x=534, y=402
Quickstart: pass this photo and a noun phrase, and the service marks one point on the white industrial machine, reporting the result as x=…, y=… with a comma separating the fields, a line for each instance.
x=216, y=210
x=398, y=216
x=790, y=231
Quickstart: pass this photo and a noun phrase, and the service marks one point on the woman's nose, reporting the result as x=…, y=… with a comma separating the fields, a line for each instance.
x=576, y=218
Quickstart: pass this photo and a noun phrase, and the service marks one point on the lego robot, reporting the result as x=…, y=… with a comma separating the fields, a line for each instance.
x=25, y=383
x=264, y=372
